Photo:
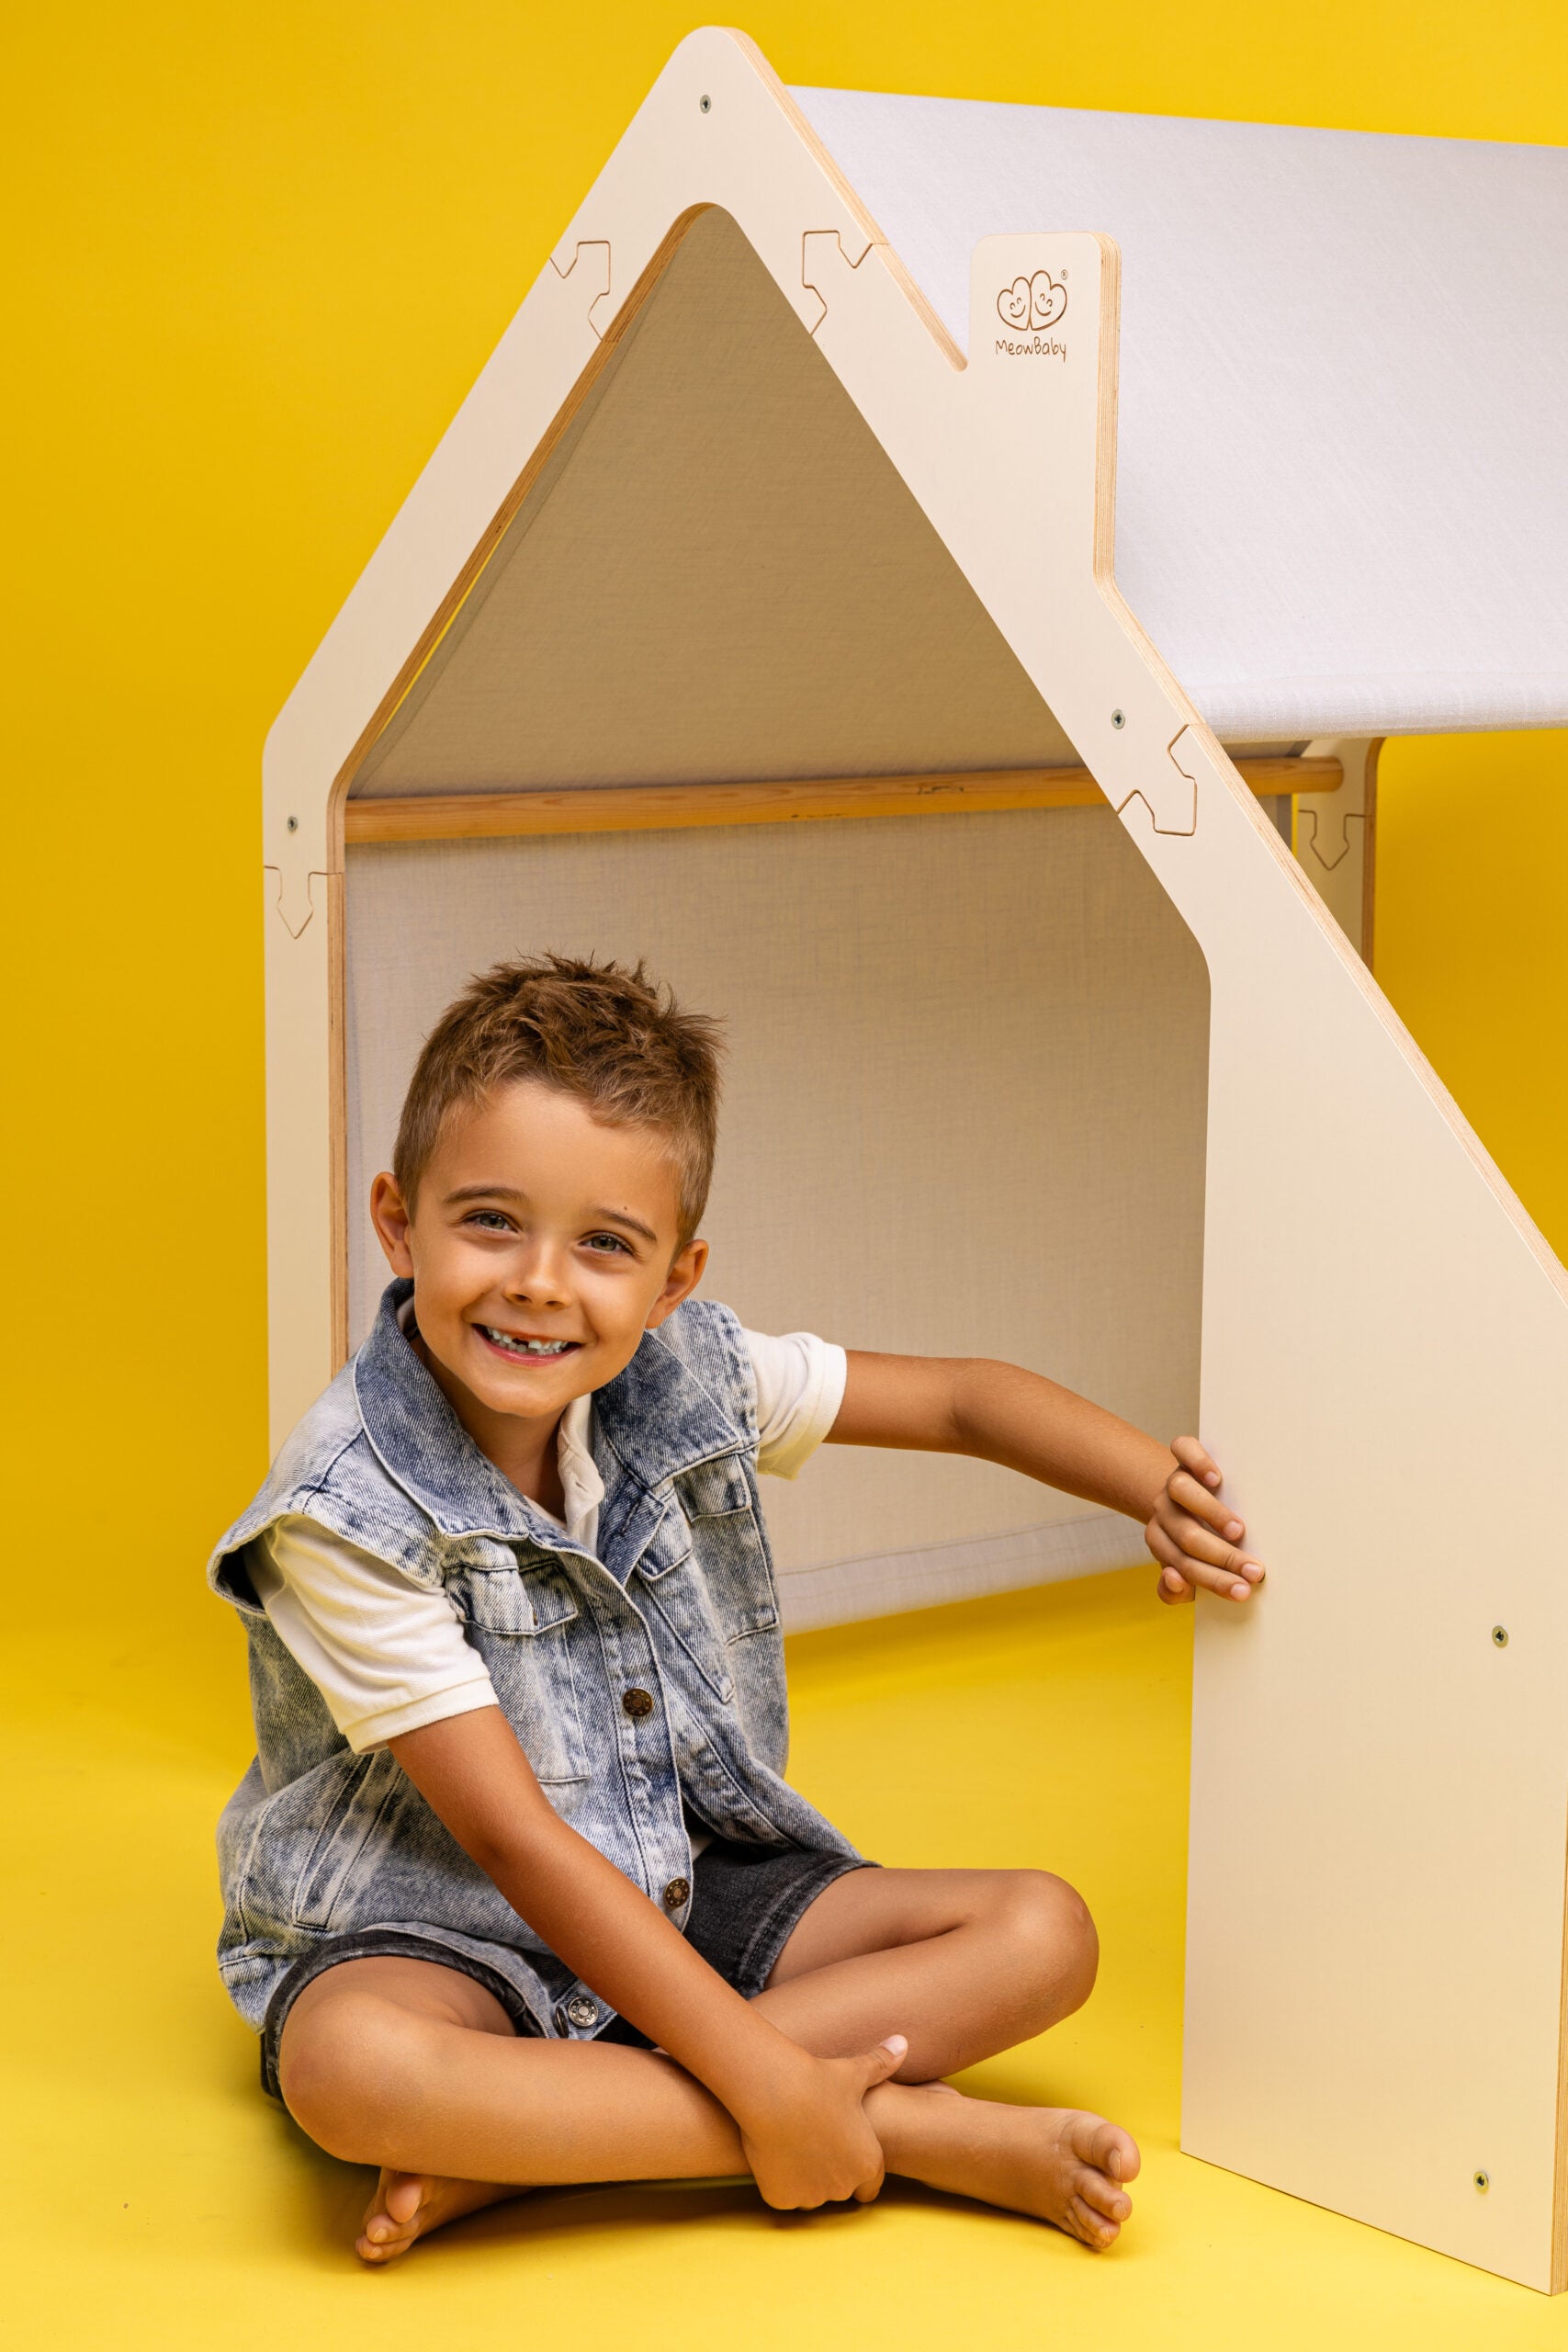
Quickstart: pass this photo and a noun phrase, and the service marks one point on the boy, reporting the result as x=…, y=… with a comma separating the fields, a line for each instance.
x=514, y=1890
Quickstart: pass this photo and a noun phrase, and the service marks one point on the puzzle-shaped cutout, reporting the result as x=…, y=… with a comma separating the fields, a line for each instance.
x=295, y=920
x=822, y=252
x=592, y=259
x=1325, y=832
x=1171, y=808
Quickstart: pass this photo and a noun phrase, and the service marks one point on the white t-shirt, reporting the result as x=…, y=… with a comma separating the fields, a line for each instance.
x=389, y=1655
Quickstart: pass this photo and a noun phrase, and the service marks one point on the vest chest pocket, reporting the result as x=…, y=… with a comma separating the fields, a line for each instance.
x=718, y=1504
x=706, y=1573
x=520, y=1622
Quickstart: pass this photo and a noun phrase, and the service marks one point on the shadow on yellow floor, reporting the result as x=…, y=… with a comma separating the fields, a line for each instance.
x=156, y=2199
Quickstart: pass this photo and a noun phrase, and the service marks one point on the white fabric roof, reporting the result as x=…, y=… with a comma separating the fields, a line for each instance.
x=1342, y=490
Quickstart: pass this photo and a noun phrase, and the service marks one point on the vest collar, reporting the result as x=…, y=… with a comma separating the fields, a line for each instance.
x=654, y=1420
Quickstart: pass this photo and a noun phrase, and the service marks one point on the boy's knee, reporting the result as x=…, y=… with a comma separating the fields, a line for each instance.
x=346, y=2073
x=1050, y=1925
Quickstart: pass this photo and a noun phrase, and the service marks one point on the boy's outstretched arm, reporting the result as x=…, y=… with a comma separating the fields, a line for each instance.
x=1000, y=1413
x=801, y=2119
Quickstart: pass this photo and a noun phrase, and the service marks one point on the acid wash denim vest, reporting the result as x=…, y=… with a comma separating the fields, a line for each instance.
x=644, y=1684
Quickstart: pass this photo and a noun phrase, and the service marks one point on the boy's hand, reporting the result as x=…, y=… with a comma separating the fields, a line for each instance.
x=1194, y=1536
x=808, y=2139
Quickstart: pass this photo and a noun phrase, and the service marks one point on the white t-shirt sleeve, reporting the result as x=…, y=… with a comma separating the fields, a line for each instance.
x=800, y=1387
x=385, y=1655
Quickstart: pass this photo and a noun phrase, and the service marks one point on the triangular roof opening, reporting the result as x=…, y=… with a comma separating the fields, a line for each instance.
x=716, y=575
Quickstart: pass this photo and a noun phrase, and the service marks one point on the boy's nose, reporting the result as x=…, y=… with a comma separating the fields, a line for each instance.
x=538, y=1276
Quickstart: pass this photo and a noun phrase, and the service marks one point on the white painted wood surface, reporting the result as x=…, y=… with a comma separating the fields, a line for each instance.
x=1380, y=1792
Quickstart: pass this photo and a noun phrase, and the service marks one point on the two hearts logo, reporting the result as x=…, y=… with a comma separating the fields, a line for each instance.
x=1032, y=303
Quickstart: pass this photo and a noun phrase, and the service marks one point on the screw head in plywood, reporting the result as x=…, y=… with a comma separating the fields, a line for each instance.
x=294, y=824
x=1483, y=2182
x=1119, y=718
x=704, y=104
x=1499, y=1637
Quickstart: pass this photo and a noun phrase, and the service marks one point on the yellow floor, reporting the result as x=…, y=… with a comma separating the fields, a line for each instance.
x=156, y=2199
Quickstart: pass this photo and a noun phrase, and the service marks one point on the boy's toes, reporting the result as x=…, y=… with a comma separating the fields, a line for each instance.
x=1103, y=2197
x=408, y=2205
x=1096, y=2229
x=391, y=2219
x=1107, y=2147
x=405, y=2193
x=1107, y=2156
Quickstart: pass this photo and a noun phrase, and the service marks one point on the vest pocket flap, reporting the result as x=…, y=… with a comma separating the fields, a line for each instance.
x=714, y=1489
x=459, y=1553
x=669, y=1543
x=502, y=1602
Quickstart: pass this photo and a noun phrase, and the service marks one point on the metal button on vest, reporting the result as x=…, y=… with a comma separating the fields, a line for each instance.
x=581, y=2011
x=675, y=1894
x=637, y=1703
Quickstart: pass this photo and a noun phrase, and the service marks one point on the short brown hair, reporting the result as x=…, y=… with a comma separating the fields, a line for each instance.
x=600, y=1031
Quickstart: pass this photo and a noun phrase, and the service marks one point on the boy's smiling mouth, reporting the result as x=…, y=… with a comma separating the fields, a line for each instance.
x=514, y=1345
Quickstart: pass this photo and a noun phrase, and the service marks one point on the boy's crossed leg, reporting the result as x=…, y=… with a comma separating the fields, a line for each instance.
x=416, y=2068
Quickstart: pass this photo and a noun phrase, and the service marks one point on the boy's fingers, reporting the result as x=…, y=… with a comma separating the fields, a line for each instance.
x=1196, y=1542
x=1173, y=1588
x=1223, y=1581
x=1196, y=1458
x=1231, y=1575
x=1204, y=1504
x=886, y=2059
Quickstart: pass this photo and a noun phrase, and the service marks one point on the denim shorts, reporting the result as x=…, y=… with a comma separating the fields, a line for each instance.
x=747, y=1902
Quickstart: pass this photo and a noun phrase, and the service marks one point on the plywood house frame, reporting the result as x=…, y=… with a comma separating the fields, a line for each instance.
x=1379, y=1771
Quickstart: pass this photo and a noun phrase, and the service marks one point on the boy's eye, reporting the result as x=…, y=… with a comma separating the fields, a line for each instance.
x=489, y=1220
x=607, y=1242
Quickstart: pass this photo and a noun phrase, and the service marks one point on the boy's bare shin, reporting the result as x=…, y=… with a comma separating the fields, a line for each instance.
x=394, y=2063
x=408, y=2066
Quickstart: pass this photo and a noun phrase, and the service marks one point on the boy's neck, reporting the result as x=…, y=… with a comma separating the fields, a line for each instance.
x=525, y=1451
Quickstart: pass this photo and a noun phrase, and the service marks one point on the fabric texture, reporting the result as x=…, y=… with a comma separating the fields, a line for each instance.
x=718, y=574
x=644, y=1684
x=1341, y=487
x=965, y=1115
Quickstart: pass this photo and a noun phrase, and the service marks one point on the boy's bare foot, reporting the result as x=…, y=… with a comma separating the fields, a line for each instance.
x=408, y=2205
x=1057, y=2162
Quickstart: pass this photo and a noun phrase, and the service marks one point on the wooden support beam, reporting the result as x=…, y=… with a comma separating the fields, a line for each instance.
x=658, y=808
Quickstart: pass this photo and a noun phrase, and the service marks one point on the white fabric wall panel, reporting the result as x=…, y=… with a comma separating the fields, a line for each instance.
x=1342, y=484
x=965, y=1114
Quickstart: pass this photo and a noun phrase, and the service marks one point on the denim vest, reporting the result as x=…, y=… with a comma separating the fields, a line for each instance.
x=644, y=1684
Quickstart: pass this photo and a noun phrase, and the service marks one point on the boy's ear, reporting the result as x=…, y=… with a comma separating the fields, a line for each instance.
x=392, y=1219
x=685, y=1273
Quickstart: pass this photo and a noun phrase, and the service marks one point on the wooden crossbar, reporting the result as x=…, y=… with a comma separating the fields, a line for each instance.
x=658, y=808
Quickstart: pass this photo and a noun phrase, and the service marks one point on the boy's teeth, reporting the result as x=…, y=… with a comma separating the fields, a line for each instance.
x=527, y=1347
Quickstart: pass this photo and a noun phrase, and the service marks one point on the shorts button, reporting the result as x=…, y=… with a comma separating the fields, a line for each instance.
x=675, y=1894
x=581, y=2011
x=637, y=1703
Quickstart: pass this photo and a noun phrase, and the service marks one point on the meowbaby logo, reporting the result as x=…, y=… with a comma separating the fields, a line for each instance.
x=1036, y=302
x=1029, y=306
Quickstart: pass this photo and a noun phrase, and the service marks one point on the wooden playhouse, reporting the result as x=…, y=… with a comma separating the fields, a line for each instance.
x=798, y=504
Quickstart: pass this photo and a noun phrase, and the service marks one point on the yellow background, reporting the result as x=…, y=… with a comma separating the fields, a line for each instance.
x=257, y=254
x=260, y=253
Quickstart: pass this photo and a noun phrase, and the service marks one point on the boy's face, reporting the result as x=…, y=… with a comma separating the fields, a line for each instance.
x=542, y=1246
